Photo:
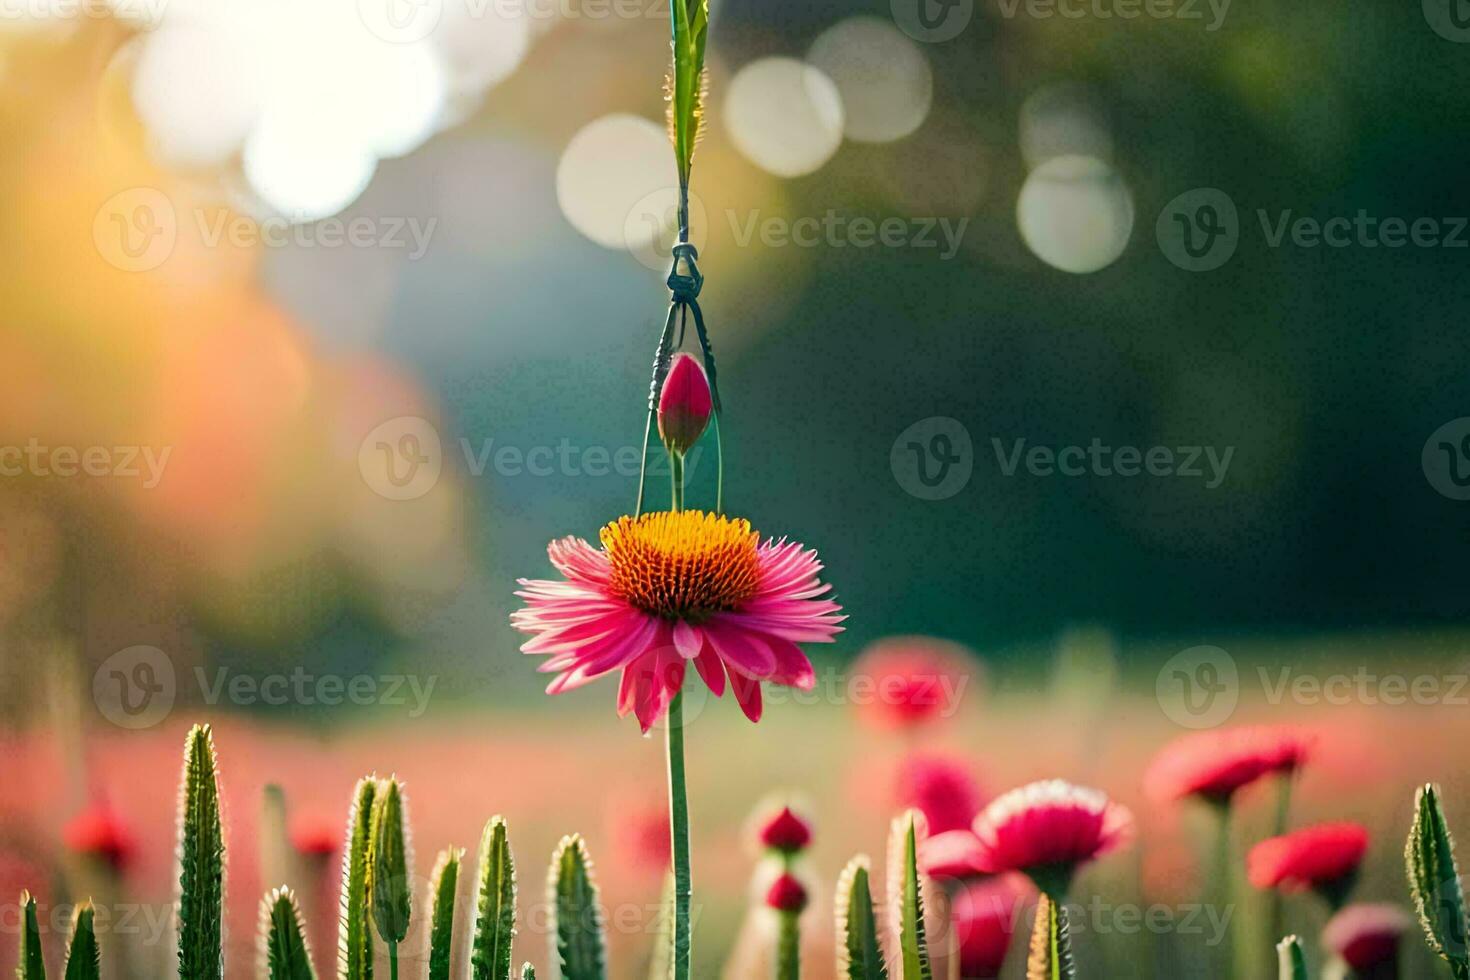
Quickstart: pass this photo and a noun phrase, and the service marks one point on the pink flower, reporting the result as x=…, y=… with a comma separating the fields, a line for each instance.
x=952, y=854
x=1213, y=765
x=1366, y=935
x=915, y=679
x=1046, y=829
x=1324, y=857
x=984, y=915
x=783, y=830
x=98, y=832
x=673, y=587
x=941, y=788
x=315, y=838
x=684, y=404
x=786, y=894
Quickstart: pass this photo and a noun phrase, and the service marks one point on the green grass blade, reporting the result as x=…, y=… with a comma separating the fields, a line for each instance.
x=1434, y=880
x=31, y=965
x=284, y=955
x=1291, y=962
x=201, y=862
x=391, y=855
x=83, y=957
x=354, y=940
x=495, y=905
x=906, y=897
x=443, y=884
x=579, y=951
x=687, y=80
x=661, y=962
x=859, y=951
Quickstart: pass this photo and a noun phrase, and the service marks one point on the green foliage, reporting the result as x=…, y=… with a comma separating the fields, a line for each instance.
x=788, y=946
x=388, y=850
x=687, y=80
x=906, y=897
x=284, y=955
x=1292, y=962
x=443, y=884
x=528, y=972
x=579, y=951
x=31, y=966
x=201, y=861
x=83, y=957
x=859, y=951
x=1050, y=954
x=1434, y=881
x=354, y=941
x=495, y=905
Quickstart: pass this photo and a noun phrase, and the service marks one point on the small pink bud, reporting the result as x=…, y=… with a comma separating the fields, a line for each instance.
x=684, y=404
x=99, y=833
x=786, y=894
x=783, y=830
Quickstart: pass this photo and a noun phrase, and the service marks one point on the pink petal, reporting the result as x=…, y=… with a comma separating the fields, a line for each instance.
x=712, y=670
x=739, y=648
x=748, y=693
x=687, y=640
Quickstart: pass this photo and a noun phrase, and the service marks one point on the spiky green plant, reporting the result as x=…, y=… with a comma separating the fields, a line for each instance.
x=391, y=856
x=495, y=905
x=83, y=957
x=1291, y=962
x=283, y=951
x=687, y=81
x=201, y=861
x=354, y=940
x=528, y=972
x=578, y=950
x=906, y=897
x=443, y=885
x=31, y=966
x=1434, y=881
x=859, y=950
x=1050, y=954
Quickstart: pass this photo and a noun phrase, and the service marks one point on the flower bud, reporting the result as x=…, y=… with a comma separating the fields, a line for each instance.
x=99, y=833
x=786, y=894
x=783, y=830
x=684, y=404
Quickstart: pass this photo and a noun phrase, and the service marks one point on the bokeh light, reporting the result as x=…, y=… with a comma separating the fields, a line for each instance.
x=608, y=172
x=883, y=77
x=1075, y=213
x=784, y=116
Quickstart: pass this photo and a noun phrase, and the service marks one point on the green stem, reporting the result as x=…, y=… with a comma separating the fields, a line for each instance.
x=676, y=474
x=719, y=468
x=788, y=944
x=393, y=959
x=1225, y=887
x=1275, y=908
x=679, y=829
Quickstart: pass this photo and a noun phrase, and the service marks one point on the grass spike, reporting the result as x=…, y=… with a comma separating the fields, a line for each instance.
x=354, y=939
x=31, y=966
x=283, y=951
x=859, y=951
x=906, y=897
x=579, y=951
x=391, y=853
x=1434, y=881
x=495, y=905
x=201, y=860
x=83, y=956
x=1291, y=962
x=443, y=886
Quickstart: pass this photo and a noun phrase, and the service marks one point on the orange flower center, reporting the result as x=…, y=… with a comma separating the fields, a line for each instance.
x=684, y=564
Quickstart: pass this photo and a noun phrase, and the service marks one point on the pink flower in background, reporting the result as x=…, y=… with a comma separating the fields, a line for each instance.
x=315, y=838
x=639, y=830
x=684, y=404
x=1213, y=765
x=983, y=915
x=1049, y=827
x=1366, y=935
x=669, y=588
x=98, y=832
x=782, y=829
x=1324, y=856
x=942, y=788
x=786, y=893
x=952, y=854
x=914, y=679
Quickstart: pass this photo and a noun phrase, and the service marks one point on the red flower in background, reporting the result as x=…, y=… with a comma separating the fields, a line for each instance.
x=984, y=915
x=639, y=830
x=315, y=838
x=1324, y=857
x=1366, y=935
x=952, y=854
x=940, y=787
x=1213, y=765
x=782, y=829
x=786, y=894
x=98, y=832
x=1048, y=828
x=916, y=679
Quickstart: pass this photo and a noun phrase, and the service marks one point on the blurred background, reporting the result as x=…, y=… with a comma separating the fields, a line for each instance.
x=320, y=319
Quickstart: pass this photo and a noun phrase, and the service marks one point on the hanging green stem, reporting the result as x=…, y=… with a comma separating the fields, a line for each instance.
x=679, y=829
